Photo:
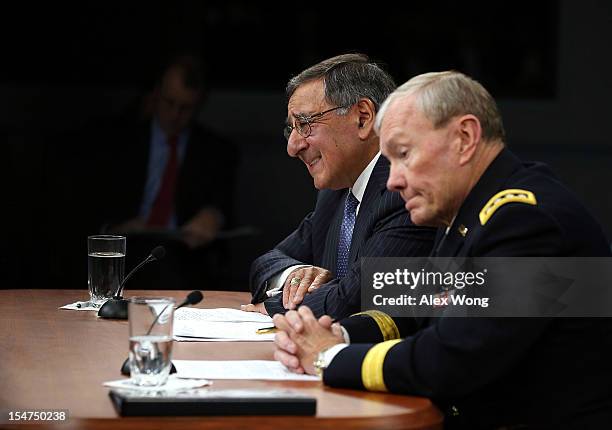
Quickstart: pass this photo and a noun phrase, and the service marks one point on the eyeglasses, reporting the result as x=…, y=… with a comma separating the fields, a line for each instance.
x=303, y=125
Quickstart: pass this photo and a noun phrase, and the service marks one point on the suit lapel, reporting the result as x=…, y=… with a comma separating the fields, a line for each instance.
x=375, y=188
x=137, y=154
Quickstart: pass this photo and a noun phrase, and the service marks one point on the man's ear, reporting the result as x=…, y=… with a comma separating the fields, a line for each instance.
x=366, y=114
x=469, y=132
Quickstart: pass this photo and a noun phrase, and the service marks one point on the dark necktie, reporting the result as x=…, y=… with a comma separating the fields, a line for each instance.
x=162, y=208
x=346, y=234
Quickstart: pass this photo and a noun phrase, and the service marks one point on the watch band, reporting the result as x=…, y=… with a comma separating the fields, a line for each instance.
x=326, y=356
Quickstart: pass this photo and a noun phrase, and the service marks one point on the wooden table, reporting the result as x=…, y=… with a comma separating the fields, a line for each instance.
x=58, y=359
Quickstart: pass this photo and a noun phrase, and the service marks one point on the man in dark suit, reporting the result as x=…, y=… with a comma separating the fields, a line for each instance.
x=445, y=140
x=175, y=165
x=165, y=188
x=330, y=127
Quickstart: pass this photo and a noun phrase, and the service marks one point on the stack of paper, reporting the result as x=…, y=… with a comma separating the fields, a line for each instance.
x=221, y=324
x=238, y=369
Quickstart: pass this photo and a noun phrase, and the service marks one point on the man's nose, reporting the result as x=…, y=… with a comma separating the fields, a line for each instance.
x=296, y=144
x=396, y=181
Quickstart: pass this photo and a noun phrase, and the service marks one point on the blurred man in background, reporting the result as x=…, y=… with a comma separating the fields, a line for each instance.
x=172, y=180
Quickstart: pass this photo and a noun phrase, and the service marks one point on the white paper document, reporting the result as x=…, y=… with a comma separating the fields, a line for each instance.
x=238, y=369
x=213, y=339
x=205, y=339
x=229, y=331
x=220, y=314
x=220, y=324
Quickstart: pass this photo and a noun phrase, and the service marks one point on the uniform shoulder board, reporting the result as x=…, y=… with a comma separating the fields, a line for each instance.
x=503, y=197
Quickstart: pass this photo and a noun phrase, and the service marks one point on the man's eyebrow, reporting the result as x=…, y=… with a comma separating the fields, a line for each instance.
x=297, y=115
x=302, y=115
x=393, y=145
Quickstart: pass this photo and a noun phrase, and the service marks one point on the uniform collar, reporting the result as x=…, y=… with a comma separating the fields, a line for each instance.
x=467, y=219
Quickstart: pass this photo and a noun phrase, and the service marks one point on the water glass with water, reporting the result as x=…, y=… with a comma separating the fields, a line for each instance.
x=106, y=262
x=151, y=321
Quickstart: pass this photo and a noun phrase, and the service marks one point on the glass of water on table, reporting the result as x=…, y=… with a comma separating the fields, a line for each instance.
x=105, y=266
x=150, y=356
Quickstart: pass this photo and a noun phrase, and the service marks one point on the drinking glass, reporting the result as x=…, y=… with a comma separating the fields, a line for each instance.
x=105, y=265
x=150, y=320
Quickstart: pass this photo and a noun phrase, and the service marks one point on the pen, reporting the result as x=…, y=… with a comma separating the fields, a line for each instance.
x=273, y=329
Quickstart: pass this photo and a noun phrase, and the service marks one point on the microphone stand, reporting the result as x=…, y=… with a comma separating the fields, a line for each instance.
x=116, y=308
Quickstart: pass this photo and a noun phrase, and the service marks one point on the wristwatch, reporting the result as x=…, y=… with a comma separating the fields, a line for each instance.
x=321, y=363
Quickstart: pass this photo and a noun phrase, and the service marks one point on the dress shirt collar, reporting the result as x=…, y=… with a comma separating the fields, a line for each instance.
x=159, y=138
x=361, y=183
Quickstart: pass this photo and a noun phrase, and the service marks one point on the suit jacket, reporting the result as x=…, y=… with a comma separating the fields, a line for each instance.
x=205, y=176
x=382, y=228
x=494, y=372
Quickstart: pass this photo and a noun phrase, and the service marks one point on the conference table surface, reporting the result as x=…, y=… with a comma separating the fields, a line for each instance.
x=58, y=359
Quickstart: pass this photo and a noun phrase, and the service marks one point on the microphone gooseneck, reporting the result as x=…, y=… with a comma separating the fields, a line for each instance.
x=156, y=254
x=116, y=307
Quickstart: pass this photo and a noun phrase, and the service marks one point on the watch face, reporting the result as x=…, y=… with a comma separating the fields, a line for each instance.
x=320, y=364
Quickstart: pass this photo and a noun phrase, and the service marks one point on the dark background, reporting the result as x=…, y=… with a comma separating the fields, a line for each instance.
x=547, y=63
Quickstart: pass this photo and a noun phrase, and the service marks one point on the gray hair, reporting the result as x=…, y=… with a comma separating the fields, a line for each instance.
x=347, y=78
x=442, y=96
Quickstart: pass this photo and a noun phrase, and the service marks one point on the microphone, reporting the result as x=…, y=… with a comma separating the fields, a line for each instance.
x=116, y=307
x=192, y=298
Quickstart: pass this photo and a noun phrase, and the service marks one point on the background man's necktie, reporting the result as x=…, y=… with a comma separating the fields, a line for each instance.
x=346, y=234
x=162, y=208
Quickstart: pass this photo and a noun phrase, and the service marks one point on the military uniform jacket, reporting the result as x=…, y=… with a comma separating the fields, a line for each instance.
x=492, y=372
x=382, y=228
